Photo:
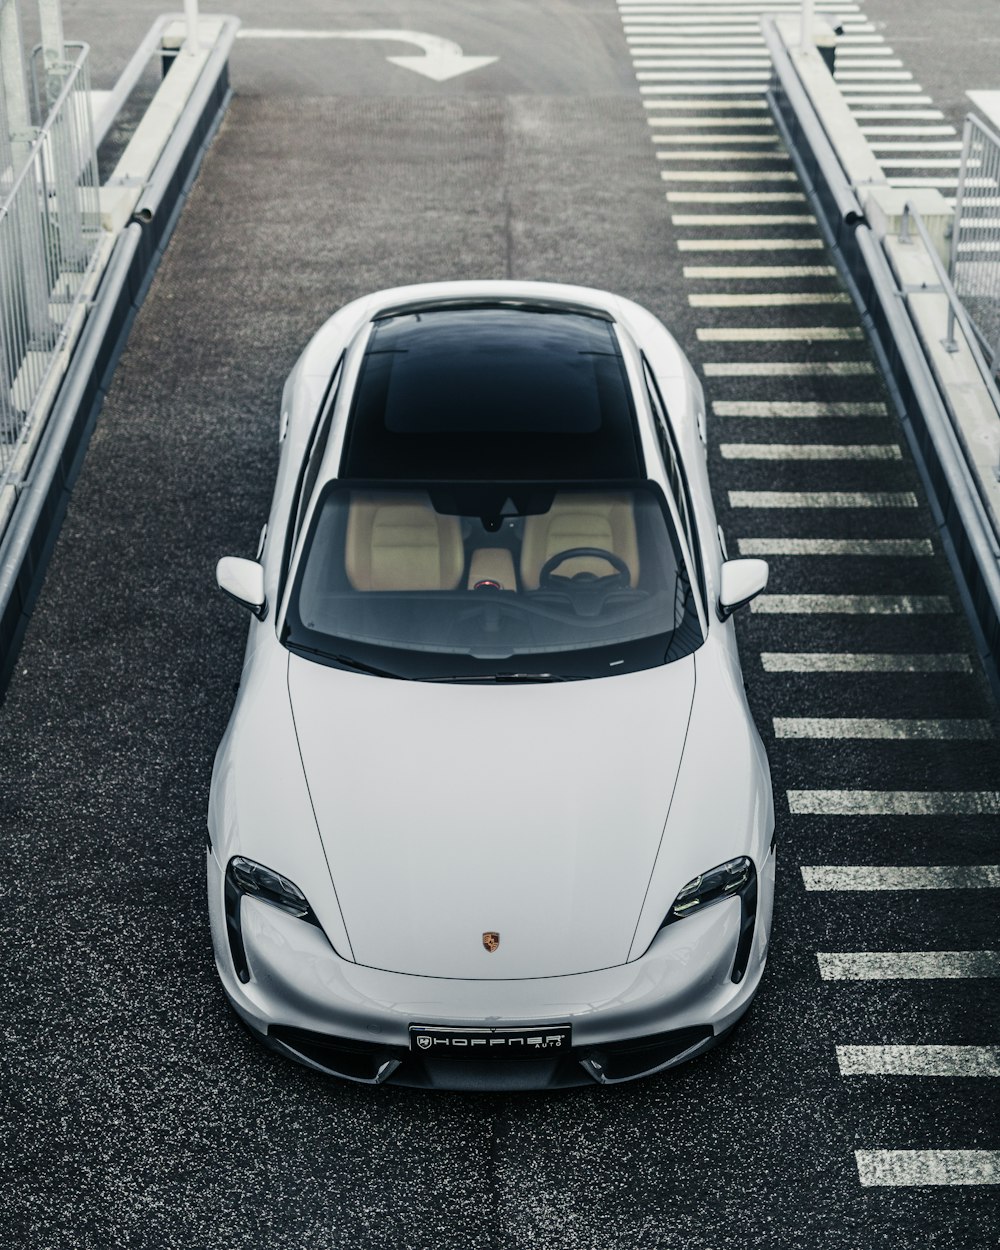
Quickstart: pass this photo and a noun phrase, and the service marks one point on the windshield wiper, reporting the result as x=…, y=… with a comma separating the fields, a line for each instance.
x=347, y=661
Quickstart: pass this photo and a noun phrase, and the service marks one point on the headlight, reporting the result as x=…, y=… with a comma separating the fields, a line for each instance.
x=734, y=877
x=270, y=887
x=709, y=887
x=243, y=876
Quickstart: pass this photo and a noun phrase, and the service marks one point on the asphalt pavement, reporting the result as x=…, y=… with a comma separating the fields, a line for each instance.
x=138, y=1113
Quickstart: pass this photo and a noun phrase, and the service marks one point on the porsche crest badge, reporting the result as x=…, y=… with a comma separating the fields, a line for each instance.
x=491, y=941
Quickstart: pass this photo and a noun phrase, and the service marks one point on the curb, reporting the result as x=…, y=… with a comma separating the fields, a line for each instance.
x=31, y=536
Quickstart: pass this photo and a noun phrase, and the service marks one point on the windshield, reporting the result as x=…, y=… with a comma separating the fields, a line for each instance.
x=492, y=581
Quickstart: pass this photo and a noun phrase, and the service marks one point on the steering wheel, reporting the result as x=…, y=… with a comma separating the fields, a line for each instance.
x=621, y=570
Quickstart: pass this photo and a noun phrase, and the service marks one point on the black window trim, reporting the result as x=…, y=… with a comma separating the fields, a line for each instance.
x=320, y=436
x=693, y=537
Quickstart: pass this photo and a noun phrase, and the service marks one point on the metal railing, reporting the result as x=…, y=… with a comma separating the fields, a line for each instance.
x=957, y=316
x=975, y=243
x=50, y=228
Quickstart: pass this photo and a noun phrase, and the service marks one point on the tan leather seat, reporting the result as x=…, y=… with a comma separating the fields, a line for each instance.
x=398, y=542
x=604, y=520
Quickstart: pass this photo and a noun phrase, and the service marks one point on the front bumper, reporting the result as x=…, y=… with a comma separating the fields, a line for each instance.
x=674, y=1002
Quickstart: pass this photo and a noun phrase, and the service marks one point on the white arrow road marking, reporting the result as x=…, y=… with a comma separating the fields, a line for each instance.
x=442, y=58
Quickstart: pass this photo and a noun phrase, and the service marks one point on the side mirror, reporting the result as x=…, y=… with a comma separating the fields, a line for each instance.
x=243, y=580
x=741, y=581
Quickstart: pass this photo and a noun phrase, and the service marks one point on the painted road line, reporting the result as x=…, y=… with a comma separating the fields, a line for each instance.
x=694, y=76
x=698, y=45
x=866, y=59
x=907, y=965
x=750, y=105
x=729, y=175
x=810, y=451
x=894, y=802
x=861, y=662
x=906, y=1168
x=770, y=299
x=701, y=105
x=778, y=334
x=884, y=115
x=879, y=728
x=641, y=60
x=852, y=605
x=744, y=219
x=954, y=1061
x=759, y=271
x=914, y=147
x=750, y=123
x=892, y=76
x=796, y=408
x=736, y=197
x=737, y=89
x=906, y=130
x=821, y=499
x=863, y=877
x=892, y=548
x=734, y=154
x=875, y=99
x=757, y=140
x=750, y=245
x=791, y=369
x=724, y=55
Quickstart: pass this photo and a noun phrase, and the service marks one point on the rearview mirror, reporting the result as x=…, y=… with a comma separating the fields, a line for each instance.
x=741, y=581
x=243, y=580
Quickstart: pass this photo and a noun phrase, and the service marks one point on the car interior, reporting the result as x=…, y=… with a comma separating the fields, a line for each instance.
x=400, y=543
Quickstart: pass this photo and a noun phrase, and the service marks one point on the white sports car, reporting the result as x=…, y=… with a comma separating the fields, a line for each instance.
x=491, y=811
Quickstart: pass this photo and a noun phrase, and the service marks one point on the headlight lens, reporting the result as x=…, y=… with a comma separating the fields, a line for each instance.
x=709, y=887
x=735, y=878
x=269, y=887
x=244, y=876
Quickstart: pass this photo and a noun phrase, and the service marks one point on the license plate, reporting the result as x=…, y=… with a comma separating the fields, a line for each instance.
x=492, y=1043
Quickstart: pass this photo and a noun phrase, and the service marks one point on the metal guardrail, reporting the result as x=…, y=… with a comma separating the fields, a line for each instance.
x=957, y=314
x=975, y=242
x=50, y=228
x=969, y=541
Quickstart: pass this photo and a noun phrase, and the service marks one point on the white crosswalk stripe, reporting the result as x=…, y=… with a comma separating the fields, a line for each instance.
x=928, y=1167
x=919, y=1060
x=941, y=877
x=861, y=662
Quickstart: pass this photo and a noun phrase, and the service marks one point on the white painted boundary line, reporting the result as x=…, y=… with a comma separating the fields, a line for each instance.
x=751, y=245
x=768, y=299
x=928, y=1167
x=861, y=662
x=953, y=1061
x=755, y=272
x=944, y=877
x=821, y=499
x=872, y=728
x=810, y=451
x=908, y=965
x=894, y=802
x=791, y=369
x=796, y=408
x=851, y=605
x=780, y=334
x=891, y=548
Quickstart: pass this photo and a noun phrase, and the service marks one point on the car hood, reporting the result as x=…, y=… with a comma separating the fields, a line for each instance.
x=451, y=811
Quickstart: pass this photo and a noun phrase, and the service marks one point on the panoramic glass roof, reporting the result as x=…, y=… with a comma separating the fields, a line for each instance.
x=481, y=393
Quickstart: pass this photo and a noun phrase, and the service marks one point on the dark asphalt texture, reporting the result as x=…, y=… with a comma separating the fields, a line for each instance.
x=138, y=1114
